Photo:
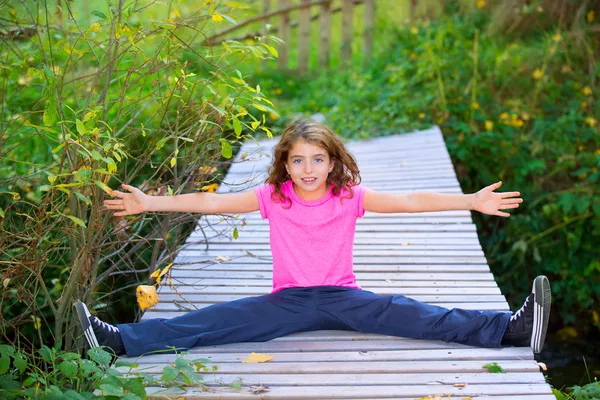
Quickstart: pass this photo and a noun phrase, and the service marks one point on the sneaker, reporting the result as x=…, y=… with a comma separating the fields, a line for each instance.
x=98, y=333
x=528, y=326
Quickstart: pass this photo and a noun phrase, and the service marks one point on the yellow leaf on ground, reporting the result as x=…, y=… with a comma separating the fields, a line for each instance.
x=223, y=258
x=257, y=358
x=542, y=366
x=146, y=296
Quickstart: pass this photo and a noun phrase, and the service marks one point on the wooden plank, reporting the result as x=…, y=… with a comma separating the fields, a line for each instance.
x=268, y=267
x=303, y=37
x=362, y=276
x=266, y=253
x=369, y=379
x=404, y=287
x=346, y=46
x=324, y=35
x=369, y=28
x=284, y=35
x=359, y=259
x=362, y=357
x=256, y=290
x=331, y=367
x=404, y=237
x=353, y=391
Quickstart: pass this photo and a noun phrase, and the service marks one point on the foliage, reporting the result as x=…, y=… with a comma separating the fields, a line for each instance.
x=494, y=368
x=52, y=373
x=93, y=100
x=522, y=110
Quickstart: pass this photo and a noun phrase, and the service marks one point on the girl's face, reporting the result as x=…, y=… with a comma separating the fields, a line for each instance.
x=308, y=166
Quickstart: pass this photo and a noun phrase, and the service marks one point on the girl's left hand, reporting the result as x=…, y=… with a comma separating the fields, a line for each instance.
x=488, y=202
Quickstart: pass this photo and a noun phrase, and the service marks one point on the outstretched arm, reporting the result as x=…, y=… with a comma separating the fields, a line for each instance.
x=136, y=202
x=485, y=201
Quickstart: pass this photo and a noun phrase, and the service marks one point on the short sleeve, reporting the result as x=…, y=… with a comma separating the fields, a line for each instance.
x=264, y=199
x=359, y=194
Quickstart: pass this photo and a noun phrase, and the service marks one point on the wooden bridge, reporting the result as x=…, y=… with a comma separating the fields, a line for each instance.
x=432, y=257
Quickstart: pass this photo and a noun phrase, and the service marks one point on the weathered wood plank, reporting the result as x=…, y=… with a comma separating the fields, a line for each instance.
x=357, y=356
x=395, y=391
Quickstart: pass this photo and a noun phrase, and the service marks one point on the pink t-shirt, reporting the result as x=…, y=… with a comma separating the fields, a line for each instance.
x=311, y=241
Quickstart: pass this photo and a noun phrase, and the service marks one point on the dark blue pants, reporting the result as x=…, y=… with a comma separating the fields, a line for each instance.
x=262, y=318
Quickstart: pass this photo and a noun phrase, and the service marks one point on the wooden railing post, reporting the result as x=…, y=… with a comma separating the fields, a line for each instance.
x=265, y=31
x=413, y=7
x=346, y=50
x=304, y=37
x=369, y=30
x=324, y=34
x=284, y=34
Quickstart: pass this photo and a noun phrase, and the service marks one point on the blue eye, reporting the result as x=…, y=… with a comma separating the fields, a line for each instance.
x=319, y=159
x=297, y=159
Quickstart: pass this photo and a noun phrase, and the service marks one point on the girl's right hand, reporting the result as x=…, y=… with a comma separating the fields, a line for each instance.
x=129, y=203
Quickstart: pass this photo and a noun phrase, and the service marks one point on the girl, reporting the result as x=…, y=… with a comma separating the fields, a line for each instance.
x=312, y=199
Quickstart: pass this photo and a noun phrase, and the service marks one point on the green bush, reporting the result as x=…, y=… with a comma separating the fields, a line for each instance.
x=51, y=373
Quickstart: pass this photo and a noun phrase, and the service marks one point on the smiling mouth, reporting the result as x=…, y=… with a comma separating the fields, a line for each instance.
x=309, y=179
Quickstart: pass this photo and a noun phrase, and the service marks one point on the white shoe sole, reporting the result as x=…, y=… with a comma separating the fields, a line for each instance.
x=541, y=312
x=84, y=320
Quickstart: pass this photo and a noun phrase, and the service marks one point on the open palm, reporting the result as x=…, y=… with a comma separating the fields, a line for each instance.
x=128, y=203
x=488, y=202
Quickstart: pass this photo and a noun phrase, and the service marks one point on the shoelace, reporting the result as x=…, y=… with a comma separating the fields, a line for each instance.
x=522, y=309
x=110, y=327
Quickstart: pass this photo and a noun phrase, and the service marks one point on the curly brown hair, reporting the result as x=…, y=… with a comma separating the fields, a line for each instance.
x=345, y=173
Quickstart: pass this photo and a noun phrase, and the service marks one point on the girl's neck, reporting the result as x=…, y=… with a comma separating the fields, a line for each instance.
x=313, y=195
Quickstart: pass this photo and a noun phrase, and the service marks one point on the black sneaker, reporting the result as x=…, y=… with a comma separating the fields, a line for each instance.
x=528, y=326
x=98, y=333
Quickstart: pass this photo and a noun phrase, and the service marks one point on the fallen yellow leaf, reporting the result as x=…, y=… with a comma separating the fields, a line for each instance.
x=257, y=358
x=146, y=296
x=542, y=366
x=223, y=258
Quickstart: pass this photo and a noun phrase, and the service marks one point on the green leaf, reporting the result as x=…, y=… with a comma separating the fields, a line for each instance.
x=96, y=156
x=80, y=127
x=494, y=368
x=99, y=356
x=272, y=50
x=77, y=221
x=50, y=77
x=46, y=354
x=235, y=233
x=237, y=127
x=258, y=106
x=136, y=386
x=50, y=113
x=6, y=350
x=111, y=390
x=169, y=374
x=226, y=150
x=229, y=19
x=99, y=14
x=83, y=175
x=103, y=186
x=72, y=395
x=161, y=143
x=57, y=148
x=132, y=396
x=4, y=364
x=20, y=362
x=89, y=368
x=558, y=394
x=68, y=368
